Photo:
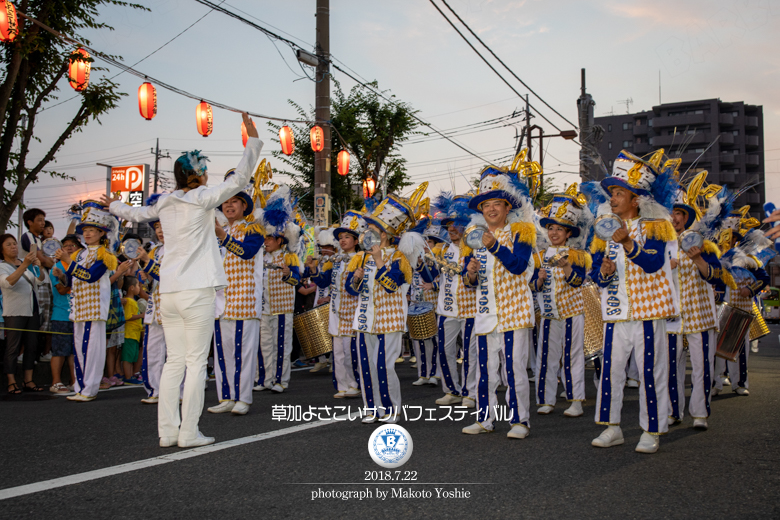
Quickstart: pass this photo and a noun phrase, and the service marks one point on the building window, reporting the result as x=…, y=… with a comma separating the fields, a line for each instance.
x=649, y=122
x=735, y=132
x=609, y=145
x=627, y=144
x=638, y=122
x=609, y=128
x=610, y=164
x=628, y=126
x=735, y=114
x=697, y=112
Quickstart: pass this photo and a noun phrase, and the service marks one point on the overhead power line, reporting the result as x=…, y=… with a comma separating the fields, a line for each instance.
x=505, y=65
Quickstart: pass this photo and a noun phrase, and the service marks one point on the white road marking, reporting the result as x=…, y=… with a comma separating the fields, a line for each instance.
x=157, y=461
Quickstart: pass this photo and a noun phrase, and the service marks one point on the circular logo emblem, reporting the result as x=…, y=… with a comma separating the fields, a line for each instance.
x=390, y=446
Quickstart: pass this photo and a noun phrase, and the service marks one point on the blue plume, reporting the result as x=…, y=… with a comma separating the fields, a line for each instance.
x=442, y=203
x=596, y=195
x=371, y=204
x=276, y=213
x=152, y=200
x=421, y=225
x=460, y=208
x=665, y=189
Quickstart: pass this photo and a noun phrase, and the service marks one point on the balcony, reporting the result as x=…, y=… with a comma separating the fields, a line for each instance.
x=725, y=178
x=726, y=119
x=681, y=121
x=751, y=159
x=641, y=129
x=751, y=122
x=751, y=141
x=726, y=138
x=667, y=140
x=726, y=158
x=641, y=148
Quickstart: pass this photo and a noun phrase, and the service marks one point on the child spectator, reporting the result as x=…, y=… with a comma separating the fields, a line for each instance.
x=61, y=326
x=133, y=329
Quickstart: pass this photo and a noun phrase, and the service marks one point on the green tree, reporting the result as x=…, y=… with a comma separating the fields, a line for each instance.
x=370, y=128
x=36, y=65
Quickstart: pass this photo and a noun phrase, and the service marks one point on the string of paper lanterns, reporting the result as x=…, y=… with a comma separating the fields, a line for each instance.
x=9, y=25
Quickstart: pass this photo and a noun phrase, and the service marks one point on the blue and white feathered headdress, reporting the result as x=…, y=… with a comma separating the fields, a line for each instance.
x=194, y=161
x=279, y=217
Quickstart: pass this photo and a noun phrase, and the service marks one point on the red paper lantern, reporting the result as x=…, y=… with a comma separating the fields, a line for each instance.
x=147, y=101
x=286, y=139
x=78, y=71
x=343, y=162
x=204, y=119
x=369, y=187
x=9, y=26
x=317, y=137
x=244, y=135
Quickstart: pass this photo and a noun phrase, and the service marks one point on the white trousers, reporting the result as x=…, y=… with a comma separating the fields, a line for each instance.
x=469, y=373
x=378, y=380
x=509, y=349
x=235, y=358
x=426, y=350
x=89, y=340
x=738, y=371
x=645, y=341
x=702, y=352
x=188, y=322
x=632, y=371
x=561, y=340
x=153, y=359
x=276, y=335
x=345, y=367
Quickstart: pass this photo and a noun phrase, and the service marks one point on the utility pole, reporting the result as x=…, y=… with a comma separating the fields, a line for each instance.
x=157, y=158
x=322, y=114
x=588, y=134
x=525, y=135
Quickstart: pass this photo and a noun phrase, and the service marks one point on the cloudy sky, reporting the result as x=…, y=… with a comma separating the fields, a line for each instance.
x=703, y=49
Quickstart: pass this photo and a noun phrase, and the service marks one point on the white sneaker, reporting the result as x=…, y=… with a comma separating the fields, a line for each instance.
x=150, y=400
x=674, y=421
x=545, y=409
x=468, y=402
x=742, y=391
x=700, y=424
x=352, y=392
x=715, y=391
x=449, y=399
x=433, y=381
x=413, y=359
x=612, y=436
x=277, y=388
x=754, y=346
x=241, y=408
x=632, y=383
x=200, y=440
x=223, y=407
x=80, y=398
x=475, y=429
x=46, y=358
x=167, y=442
x=518, y=431
x=575, y=410
x=648, y=443
x=319, y=366
x=726, y=381
x=368, y=419
x=421, y=381
x=399, y=360
x=341, y=394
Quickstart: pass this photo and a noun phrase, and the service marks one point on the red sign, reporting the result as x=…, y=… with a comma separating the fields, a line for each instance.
x=127, y=178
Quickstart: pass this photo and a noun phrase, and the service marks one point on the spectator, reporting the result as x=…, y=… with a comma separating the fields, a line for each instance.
x=35, y=222
x=133, y=328
x=62, y=343
x=20, y=311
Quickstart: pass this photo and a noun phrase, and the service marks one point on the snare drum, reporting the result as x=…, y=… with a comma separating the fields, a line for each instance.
x=733, y=324
x=421, y=320
x=473, y=236
x=690, y=239
x=50, y=247
x=311, y=327
x=606, y=225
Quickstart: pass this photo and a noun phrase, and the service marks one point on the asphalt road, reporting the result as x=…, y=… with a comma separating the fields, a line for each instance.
x=731, y=470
